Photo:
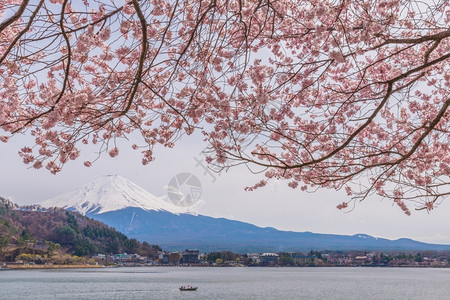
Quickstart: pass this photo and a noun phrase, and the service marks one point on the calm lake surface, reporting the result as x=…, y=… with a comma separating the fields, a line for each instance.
x=227, y=283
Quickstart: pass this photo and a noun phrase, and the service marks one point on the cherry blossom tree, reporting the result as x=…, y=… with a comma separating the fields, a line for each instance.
x=343, y=94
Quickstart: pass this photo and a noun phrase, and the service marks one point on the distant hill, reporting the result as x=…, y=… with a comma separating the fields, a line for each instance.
x=177, y=232
x=123, y=205
x=73, y=233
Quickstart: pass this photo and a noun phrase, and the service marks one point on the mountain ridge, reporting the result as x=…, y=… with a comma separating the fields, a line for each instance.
x=153, y=220
x=178, y=232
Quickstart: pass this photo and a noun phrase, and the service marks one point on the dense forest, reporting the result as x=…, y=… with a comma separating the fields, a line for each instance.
x=55, y=231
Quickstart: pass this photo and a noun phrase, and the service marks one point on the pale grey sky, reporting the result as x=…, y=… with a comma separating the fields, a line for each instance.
x=275, y=205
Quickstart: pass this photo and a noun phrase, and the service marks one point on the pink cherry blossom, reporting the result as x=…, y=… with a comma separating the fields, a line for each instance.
x=349, y=95
x=342, y=205
x=114, y=152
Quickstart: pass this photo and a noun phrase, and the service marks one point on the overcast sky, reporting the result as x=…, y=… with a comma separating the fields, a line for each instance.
x=275, y=205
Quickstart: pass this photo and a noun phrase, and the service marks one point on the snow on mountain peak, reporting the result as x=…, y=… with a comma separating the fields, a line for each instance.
x=110, y=193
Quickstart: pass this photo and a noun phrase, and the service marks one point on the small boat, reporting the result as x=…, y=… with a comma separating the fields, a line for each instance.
x=188, y=288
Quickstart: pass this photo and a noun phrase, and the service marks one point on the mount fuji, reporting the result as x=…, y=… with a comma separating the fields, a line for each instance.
x=130, y=209
x=111, y=193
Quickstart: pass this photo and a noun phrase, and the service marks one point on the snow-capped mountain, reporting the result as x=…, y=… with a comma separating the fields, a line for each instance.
x=111, y=193
x=130, y=209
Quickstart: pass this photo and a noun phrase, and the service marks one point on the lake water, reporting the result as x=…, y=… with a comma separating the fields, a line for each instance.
x=227, y=283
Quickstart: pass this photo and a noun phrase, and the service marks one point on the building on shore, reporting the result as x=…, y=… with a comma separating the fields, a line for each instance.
x=268, y=258
x=190, y=256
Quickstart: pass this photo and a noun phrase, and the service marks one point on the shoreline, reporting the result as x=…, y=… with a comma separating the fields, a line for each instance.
x=29, y=267
x=83, y=266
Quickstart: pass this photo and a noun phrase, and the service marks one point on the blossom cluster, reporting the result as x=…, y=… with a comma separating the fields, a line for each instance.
x=336, y=94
